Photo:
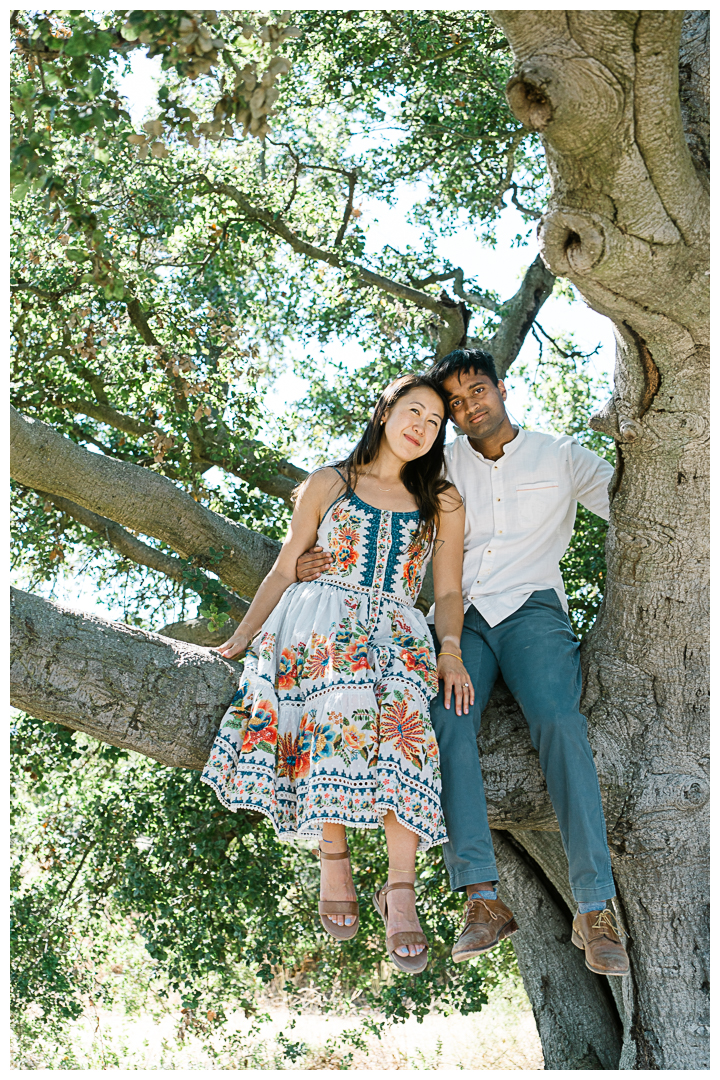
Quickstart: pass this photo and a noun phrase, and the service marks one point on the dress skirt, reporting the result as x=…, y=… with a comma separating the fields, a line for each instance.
x=331, y=721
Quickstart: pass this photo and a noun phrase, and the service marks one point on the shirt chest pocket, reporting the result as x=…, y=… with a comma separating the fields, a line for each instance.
x=537, y=501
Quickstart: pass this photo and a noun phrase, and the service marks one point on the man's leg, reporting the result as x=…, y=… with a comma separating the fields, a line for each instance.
x=539, y=657
x=469, y=855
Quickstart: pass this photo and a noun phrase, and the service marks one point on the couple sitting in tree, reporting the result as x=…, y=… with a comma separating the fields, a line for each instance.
x=340, y=721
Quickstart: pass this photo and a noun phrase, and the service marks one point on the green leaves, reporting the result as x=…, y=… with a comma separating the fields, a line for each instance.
x=220, y=903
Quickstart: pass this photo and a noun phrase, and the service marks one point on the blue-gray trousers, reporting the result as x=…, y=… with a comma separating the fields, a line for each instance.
x=538, y=656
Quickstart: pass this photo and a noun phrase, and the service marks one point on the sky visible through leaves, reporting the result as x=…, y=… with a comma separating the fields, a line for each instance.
x=499, y=268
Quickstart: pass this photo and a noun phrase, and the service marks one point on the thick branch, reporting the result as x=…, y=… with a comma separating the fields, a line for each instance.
x=144, y=555
x=518, y=315
x=94, y=676
x=575, y=1015
x=139, y=499
x=124, y=686
x=280, y=486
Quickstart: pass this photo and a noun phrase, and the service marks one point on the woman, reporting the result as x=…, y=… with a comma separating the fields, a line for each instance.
x=331, y=726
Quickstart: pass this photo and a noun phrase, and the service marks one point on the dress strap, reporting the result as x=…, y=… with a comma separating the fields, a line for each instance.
x=343, y=494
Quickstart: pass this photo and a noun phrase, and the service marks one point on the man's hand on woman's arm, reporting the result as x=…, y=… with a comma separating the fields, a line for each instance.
x=312, y=564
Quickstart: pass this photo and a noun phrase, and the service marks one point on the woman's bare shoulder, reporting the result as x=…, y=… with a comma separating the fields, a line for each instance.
x=322, y=484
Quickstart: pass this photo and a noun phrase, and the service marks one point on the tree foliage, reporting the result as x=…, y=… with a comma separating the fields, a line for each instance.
x=162, y=278
x=108, y=843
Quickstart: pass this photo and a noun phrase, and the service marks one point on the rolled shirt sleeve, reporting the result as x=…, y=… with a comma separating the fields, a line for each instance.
x=591, y=477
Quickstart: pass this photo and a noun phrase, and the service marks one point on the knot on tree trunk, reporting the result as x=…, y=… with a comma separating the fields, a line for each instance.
x=576, y=102
x=572, y=242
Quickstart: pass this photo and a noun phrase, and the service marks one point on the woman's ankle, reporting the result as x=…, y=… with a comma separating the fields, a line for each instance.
x=397, y=875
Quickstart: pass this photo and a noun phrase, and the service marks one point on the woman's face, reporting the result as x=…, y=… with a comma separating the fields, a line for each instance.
x=413, y=423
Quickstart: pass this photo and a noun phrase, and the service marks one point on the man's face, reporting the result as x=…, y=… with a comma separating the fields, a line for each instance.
x=477, y=406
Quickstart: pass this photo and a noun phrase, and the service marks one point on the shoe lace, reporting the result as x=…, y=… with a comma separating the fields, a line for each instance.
x=605, y=920
x=480, y=900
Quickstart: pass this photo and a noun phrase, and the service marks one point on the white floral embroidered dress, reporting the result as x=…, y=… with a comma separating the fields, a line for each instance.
x=331, y=720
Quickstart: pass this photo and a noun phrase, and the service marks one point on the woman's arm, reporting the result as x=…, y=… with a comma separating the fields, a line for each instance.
x=449, y=614
x=314, y=497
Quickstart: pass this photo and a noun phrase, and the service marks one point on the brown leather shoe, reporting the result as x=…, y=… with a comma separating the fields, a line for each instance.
x=486, y=923
x=599, y=934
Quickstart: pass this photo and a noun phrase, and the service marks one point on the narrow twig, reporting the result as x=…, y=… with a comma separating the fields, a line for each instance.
x=523, y=209
x=563, y=352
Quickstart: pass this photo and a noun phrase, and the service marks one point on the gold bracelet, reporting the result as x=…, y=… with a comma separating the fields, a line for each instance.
x=451, y=654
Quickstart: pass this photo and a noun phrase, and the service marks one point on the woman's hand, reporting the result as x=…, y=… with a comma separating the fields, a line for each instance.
x=454, y=676
x=235, y=646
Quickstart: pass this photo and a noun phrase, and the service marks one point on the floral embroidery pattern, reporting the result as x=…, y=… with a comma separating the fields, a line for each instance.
x=318, y=658
x=412, y=569
x=331, y=720
x=415, y=656
x=287, y=674
x=343, y=542
x=267, y=646
x=261, y=729
x=404, y=728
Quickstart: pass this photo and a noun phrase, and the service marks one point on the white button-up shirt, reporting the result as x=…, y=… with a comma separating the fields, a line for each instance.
x=519, y=515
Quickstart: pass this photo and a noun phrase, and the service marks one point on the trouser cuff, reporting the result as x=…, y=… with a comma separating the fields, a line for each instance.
x=598, y=895
x=459, y=879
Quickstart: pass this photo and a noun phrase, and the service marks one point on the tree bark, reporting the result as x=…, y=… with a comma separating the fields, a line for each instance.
x=627, y=223
x=576, y=1016
x=127, y=687
x=139, y=499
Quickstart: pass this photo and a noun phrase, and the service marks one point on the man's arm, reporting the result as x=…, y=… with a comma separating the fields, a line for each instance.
x=591, y=476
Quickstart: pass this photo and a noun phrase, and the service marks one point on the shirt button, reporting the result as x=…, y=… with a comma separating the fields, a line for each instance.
x=498, y=500
x=489, y=551
x=499, y=532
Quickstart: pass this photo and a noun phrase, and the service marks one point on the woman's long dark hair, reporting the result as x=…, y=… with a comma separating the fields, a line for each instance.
x=422, y=477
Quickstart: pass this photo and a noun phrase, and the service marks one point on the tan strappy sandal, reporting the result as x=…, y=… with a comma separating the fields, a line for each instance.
x=338, y=907
x=412, y=964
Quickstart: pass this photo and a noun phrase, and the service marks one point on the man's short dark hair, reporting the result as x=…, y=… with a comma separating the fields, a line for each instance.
x=462, y=362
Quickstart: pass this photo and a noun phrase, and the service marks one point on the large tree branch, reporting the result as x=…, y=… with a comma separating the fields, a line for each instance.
x=144, y=555
x=518, y=315
x=98, y=676
x=139, y=499
x=124, y=686
x=280, y=484
x=578, y=1023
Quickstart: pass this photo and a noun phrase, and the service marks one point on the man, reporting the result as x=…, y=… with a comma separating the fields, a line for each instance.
x=520, y=489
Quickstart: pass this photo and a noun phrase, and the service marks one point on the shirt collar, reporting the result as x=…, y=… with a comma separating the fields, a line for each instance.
x=508, y=449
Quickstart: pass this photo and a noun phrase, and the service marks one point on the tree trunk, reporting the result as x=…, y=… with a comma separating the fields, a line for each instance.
x=576, y=1016
x=628, y=224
